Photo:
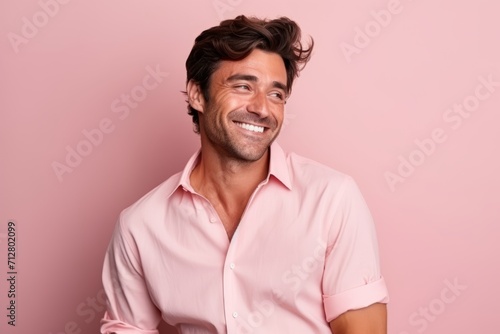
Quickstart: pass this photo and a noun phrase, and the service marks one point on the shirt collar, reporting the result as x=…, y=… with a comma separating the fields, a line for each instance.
x=278, y=168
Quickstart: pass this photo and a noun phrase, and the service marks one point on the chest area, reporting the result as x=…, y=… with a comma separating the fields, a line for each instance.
x=276, y=252
x=270, y=256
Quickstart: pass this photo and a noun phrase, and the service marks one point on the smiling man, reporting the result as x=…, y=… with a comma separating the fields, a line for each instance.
x=247, y=238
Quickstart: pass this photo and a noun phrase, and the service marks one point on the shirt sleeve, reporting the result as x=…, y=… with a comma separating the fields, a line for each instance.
x=352, y=278
x=129, y=306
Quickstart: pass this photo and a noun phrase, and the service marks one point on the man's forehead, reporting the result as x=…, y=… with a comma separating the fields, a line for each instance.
x=262, y=65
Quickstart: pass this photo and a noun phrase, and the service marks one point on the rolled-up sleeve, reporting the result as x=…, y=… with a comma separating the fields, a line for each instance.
x=129, y=305
x=352, y=277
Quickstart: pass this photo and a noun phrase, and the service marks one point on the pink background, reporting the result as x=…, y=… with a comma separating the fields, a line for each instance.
x=360, y=112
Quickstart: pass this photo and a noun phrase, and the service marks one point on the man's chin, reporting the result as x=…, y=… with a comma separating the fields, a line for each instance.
x=248, y=154
x=253, y=154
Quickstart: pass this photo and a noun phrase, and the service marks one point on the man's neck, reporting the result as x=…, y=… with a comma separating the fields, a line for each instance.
x=228, y=184
x=226, y=179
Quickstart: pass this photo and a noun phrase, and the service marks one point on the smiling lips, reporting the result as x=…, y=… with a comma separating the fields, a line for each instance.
x=250, y=127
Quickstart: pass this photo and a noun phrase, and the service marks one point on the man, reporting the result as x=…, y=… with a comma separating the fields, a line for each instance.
x=247, y=238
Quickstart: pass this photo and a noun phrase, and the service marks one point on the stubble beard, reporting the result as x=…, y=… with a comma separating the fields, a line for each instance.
x=226, y=142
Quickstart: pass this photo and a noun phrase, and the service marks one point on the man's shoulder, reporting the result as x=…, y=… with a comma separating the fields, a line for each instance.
x=153, y=203
x=315, y=179
x=305, y=169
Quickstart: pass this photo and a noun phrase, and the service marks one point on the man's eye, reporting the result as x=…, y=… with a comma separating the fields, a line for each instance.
x=278, y=95
x=243, y=87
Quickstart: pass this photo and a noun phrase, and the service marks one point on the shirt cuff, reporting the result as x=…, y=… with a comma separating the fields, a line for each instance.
x=353, y=299
x=109, y=326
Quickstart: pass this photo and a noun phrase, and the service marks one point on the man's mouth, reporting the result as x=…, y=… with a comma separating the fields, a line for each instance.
x=250, y=127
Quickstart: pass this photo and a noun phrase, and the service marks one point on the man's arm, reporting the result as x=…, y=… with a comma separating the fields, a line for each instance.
x=129, y=305
x=354, y=291
x=368, y=320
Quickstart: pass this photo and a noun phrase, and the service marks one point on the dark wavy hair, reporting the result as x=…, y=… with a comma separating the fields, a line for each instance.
x=235, y=39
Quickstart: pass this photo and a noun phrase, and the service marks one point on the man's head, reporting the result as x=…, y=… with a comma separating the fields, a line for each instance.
x=234, y=40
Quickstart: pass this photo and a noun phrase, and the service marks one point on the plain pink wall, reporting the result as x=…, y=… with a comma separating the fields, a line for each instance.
x=380, y=100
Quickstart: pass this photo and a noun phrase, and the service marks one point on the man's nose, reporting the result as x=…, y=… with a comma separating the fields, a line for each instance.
x=259, y=104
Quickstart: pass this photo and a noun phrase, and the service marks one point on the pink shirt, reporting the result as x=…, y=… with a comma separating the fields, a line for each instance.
x=305, y=251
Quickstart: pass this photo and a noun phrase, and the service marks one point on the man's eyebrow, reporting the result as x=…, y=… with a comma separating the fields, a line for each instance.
x=280, y=85
x=253, y=78
x=244, y=77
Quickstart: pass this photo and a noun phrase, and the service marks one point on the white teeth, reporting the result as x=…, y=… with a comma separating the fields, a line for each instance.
x=251, y=127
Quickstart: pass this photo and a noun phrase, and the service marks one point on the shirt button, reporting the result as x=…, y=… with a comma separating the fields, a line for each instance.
x=213, y=220
x=235, y=314
x=232, y=265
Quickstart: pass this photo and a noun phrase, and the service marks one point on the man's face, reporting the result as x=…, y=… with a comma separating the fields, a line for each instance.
x=245, y=110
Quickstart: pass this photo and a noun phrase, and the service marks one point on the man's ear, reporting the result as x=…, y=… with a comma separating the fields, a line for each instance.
x=195, y=96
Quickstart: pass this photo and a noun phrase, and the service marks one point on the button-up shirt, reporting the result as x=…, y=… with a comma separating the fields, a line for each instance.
x=304, y=252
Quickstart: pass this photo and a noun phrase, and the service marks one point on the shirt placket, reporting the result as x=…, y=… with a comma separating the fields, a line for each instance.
x=235, y=315
x=230, y=299
x=232, y=309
